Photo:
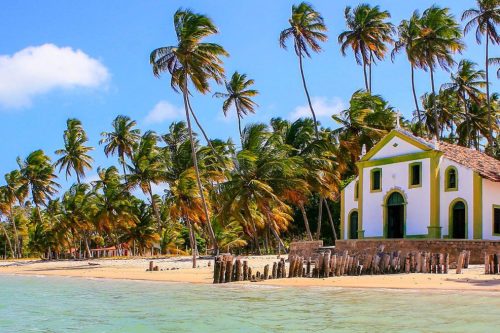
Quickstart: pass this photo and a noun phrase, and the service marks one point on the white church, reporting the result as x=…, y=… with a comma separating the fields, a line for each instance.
x=409, y=187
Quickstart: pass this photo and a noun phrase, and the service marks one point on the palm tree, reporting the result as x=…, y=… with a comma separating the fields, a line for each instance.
x=408, y=31
x=13, y=192
x=263, y=172
x=77, y=209
x=113, y=206
x=37, y=178
x=466, y=84
x=307, y=29
x=485, y=17
x=4, y=204
x=365, y=122
x=368, y=35
x=121, y=140
x=191, y=60
x=146, y=169
x=240, y=96
x=74, y=154
x=440, y=37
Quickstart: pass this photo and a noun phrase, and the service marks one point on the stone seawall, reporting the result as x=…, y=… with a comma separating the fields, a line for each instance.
x=478, y=248
x=305, y=249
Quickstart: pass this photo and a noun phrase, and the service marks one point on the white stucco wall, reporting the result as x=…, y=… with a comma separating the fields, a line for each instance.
x=402, y=148
x=350, y=204
x=396, y=176
x=465, y=191
x=491, y=196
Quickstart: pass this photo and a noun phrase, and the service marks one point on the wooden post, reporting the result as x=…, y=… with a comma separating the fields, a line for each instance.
x=308, y=267
x=460, y=262
x=250, y=276
x=446, y=263
x=407, y=264
x=222, y=274
x=320, y=264
x=151, y=266
x=245, y=270
x=217, y=268
x=467, y=259
x=239, y=272
x=283, y=271
x=486, y=264
x=333, y=265
x=266, y=272
x=326, y=263
x=441, y=263
x=274, y=273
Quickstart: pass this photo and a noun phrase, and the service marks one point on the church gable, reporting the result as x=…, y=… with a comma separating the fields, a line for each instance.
x=395, y=144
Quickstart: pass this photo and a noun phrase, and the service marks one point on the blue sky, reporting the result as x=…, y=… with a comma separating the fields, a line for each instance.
x=89, y=60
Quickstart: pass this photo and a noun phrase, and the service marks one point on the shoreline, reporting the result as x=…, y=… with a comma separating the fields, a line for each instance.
x=177, y=270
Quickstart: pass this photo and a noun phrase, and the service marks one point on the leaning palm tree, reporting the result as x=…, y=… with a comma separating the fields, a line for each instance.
x=307, y=29
x=439, y=38
x=38, y=178
x=466, y=84
x=239, y=96
x=75, y=153
x=485, y=17
x=368, y=35
x=191, y=61
x=121, y=140
x=408, y=31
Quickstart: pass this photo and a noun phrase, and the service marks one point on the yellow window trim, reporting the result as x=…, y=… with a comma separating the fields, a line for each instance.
x=447, y=187
x=372, y=171
x=410, y=175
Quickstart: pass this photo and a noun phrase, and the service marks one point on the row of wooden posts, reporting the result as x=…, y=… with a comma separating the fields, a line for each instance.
x=226, y=269
x=492, y=263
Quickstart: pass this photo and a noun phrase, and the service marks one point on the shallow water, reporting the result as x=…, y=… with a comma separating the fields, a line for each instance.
x=52, y=304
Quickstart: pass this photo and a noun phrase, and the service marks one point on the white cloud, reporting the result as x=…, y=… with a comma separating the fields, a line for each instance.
x=162, y=111
x=37, y=70
x=323, y=107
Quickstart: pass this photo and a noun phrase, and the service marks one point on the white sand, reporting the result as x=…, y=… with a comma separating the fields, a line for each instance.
x=179, y=269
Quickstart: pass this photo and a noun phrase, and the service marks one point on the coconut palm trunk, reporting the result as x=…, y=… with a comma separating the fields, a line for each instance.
x=196, y=168
x=202, y=129
x=415, y=100
x=192, y=240
x=306, y=221
x=155, y=207
x=436, y=113
x=330, y=219
x=12, y=253
x=320, y=217
x=17, y=248
x=490, y=122
x=307, y=95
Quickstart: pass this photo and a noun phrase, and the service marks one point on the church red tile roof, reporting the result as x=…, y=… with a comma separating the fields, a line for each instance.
x=487, y=166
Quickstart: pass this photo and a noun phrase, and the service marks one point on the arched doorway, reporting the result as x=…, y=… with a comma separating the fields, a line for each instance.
x=458, y=220
x=353, y=225
x=395, y=216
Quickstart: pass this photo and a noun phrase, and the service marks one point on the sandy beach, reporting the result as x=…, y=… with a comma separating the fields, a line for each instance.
x=179, y=269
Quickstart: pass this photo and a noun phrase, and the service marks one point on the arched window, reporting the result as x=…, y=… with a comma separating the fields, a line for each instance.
x=451, y=180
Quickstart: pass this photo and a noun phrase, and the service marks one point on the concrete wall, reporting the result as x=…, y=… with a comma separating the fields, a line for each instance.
x=395, y=176
x=350, y=206
x=402, y=148
x=491, y=196
x=305, y=249
x=465, y=193
x=478, y=248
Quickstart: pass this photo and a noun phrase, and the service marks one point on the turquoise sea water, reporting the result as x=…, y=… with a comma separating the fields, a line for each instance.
x=52, y=304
